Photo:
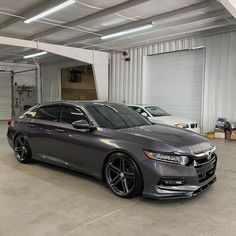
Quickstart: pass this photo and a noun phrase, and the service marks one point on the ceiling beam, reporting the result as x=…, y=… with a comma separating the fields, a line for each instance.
x=96, y=15
x=230, y=5
x=157, y=18
x=40, y=7
x=208, y=17
x=179, y=33
x=220, y=26
x=159, y=29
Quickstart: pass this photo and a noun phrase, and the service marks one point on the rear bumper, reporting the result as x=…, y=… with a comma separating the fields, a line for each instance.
x=194, y=183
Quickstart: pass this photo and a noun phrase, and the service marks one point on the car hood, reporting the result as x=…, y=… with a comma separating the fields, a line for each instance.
x=170, y=120
x=164, y=138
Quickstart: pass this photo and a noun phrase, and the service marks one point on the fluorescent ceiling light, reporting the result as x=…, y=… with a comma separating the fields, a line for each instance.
x=49, y=11
x=198, y=47
x=129, y=31
x=35, y=55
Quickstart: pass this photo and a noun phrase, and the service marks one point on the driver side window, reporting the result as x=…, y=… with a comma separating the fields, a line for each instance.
x=71, y=114
x=140, y=110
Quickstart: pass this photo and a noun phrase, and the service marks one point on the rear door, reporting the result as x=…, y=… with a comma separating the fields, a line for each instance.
x=41, y=130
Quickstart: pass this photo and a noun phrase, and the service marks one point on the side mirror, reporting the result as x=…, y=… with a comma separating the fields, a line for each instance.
x=144, y=114
x=82, y=124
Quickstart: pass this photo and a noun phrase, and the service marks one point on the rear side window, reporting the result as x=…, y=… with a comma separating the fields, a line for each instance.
x=71, y=114
x=51, y=113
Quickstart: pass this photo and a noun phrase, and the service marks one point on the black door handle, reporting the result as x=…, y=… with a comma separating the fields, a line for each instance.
x=60, y=130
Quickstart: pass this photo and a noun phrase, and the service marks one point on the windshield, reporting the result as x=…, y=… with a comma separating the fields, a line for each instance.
x=156, y=111
x=115, y=116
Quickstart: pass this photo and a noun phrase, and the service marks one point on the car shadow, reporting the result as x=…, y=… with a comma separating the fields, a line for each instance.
x=70, y=179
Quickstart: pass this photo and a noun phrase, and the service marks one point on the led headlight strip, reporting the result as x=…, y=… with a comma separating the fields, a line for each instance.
x=181, y=160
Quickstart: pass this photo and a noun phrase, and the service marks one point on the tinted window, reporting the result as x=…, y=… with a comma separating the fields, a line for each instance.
x=71, y=114
x=51, y=113
x=115, y=116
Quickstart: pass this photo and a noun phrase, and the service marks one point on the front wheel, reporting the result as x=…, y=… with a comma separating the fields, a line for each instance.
x=22, y=149
x=123, y=176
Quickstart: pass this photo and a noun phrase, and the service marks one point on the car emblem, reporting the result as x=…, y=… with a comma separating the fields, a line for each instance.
x=209, y=156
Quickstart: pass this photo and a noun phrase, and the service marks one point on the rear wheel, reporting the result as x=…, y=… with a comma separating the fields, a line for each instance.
x=123, y=176
x=22, y=149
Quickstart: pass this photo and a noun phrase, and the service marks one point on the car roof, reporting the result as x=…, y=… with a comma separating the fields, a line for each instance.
x=82, y=103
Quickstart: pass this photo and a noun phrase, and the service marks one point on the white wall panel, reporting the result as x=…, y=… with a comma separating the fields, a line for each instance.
x=5, y=96
x=220, y=71
x=51, y=79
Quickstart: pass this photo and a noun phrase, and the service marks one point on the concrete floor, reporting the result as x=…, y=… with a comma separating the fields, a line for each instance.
x=38, y=200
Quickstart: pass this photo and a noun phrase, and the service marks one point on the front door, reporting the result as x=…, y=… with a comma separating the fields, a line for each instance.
x=79, y=149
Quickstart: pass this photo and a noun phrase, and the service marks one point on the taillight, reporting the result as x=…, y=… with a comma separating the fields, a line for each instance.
x=9, y=122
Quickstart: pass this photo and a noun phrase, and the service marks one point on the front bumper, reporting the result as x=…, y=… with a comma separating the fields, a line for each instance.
x=196, y=179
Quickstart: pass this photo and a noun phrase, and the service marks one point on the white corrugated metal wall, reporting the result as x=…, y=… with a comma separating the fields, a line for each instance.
x=126, y=78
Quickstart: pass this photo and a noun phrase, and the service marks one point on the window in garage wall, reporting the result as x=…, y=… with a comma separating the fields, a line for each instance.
x=174, y=82
x=77, y=83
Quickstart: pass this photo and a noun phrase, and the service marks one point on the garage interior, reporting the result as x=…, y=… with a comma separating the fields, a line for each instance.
x=179, y=55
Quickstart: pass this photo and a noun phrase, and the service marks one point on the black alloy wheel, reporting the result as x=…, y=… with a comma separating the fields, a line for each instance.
x=22, y=149
x=123, y=176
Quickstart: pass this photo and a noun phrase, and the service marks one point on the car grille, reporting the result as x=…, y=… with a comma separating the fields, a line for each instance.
x=205, y=167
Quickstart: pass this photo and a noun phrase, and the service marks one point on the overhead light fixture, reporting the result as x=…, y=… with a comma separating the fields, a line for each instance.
x=198, y=47
x=129, y=31
x=50, y=11
x=35, y=55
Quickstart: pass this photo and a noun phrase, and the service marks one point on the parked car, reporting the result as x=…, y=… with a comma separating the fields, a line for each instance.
x=113, y=143
x=157, y=115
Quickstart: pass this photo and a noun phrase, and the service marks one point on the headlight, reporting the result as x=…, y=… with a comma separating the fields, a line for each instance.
x=181, y=160
x=182, y=125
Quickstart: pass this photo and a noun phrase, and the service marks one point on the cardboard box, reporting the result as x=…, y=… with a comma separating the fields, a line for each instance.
x=217, y=130
x=233, y=135
x=220, y=135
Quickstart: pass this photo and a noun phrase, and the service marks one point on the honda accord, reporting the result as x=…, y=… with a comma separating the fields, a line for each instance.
x=117, y=145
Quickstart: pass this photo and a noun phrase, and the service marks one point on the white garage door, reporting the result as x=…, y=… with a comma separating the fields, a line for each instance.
x=174, y=82
x=5, y=96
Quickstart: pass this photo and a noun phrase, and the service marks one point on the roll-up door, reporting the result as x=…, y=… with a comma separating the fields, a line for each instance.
x=174, y=82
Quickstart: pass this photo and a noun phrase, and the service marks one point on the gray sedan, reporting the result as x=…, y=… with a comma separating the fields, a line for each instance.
x=114, y=143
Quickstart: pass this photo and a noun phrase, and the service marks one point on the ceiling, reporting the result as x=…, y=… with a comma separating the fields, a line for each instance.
x=83, y=23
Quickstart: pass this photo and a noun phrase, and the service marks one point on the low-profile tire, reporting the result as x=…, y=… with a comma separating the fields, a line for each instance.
x=123, y=176
x=22, y=149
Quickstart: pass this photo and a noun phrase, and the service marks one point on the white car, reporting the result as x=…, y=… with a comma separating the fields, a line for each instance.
x=159, y=116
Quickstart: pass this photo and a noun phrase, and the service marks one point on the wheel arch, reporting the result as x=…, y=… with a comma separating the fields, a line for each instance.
x=121, y=151
x=17, y=134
